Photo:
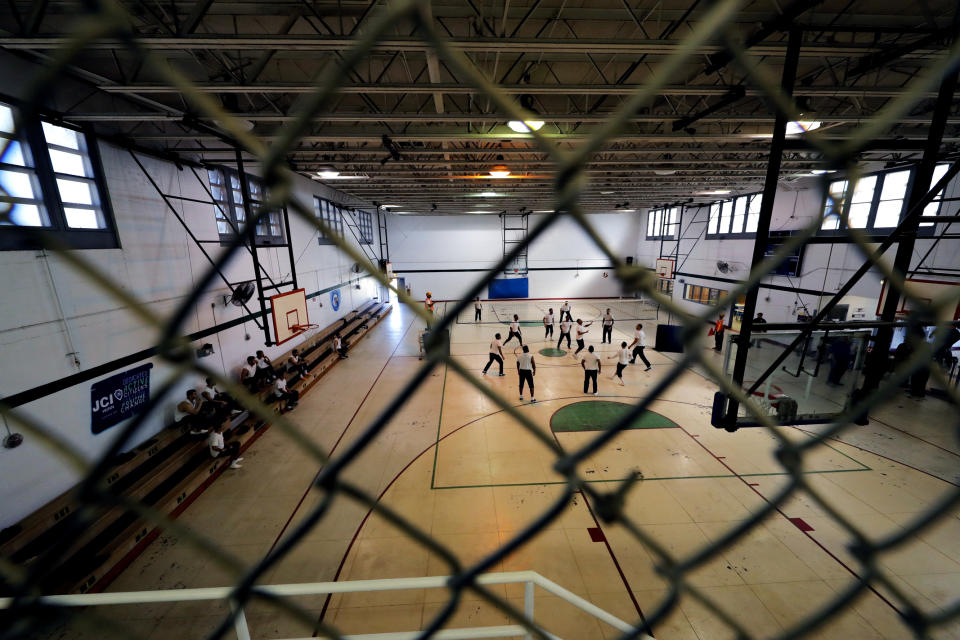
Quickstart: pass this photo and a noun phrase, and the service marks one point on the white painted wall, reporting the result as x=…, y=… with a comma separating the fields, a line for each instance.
x=159, y=265
x=826, y=267
x=560, y=260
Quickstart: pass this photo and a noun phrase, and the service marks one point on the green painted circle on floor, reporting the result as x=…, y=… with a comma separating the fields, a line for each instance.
x=601, y=415
x=552, y=353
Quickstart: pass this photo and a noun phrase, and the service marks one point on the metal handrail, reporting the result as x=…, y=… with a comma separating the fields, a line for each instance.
x=528, y=578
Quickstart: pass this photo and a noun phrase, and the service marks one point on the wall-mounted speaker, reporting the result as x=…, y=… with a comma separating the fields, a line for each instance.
x=629, y=259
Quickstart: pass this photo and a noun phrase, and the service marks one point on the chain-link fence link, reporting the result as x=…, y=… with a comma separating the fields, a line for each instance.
x=108, y=20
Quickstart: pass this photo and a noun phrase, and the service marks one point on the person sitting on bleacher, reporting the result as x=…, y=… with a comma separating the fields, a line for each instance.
x=224, y=402
x=248, y=375
x=217, y=447
x=265, y=370
x=339, y=346
x=281, y=394
x=298, y=365
x=190, y=415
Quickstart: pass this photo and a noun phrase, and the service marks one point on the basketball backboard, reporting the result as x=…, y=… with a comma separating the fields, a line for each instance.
x=664, y=268
x=819, y=375
x=289, y=315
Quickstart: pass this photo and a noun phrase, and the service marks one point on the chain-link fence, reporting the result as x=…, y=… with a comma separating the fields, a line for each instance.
x=108, y=20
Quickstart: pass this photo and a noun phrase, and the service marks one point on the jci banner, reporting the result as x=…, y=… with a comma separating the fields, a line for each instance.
x=119, y=397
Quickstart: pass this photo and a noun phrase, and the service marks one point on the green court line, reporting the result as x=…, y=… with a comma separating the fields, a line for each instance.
x=730, y=475
x=436, y=445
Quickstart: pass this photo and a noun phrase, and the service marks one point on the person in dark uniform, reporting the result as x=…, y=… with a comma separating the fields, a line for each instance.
x=840, y=356
x=759, y=320
x=718, y=330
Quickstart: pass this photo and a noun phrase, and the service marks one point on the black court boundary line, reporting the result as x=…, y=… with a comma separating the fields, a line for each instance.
x=433, y=485
x=49, y=388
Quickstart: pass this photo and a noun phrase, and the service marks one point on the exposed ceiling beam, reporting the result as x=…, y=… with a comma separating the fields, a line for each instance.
x=606, y=46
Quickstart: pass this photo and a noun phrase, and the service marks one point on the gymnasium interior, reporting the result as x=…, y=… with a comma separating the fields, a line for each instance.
x=298, y=335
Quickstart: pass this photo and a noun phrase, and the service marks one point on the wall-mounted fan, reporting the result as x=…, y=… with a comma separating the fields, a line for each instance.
x=241, y=295
x=728, y=267
x=356, y=268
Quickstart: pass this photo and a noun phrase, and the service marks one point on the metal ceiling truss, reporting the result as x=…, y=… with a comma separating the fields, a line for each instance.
x=574, y=65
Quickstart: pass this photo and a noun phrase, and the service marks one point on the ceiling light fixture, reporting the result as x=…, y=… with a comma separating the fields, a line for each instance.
x=716, y=192
x=797, y=127
x=499, y=171
x=525, y=126
x=489, y=194
x=328, y=174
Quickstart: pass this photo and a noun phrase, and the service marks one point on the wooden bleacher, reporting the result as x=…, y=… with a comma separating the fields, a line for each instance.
x=166, y=472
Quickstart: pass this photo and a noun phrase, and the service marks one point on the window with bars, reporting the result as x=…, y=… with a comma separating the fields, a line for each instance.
x=51, y=180
x=365, y=225
x=876, y=201
x=733, y=218
x=227, y=191
x=663, y=224
x=331, y=215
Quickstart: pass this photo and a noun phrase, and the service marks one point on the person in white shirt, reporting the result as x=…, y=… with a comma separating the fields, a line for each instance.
x=477, y=309
x=296, y=364
x=607, y=325
x=591, y=369
x=224, y=403
x=623, y=359
x=548, y=325
x=189, y=415
x=514, y=331
x=565, y=326
x=496, y=355
x=526, y=369
x=565, y=311
x=638, y=344
x=248, y=375
x=581, y=331
x=281, y=394
x=217, y=447
x=265, y=370
x=339, y=347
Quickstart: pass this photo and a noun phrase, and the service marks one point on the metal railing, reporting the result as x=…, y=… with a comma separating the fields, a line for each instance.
x=30, y=612
x=529, y=579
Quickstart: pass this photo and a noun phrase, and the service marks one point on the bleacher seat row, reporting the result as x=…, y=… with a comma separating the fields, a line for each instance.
x=166, y=473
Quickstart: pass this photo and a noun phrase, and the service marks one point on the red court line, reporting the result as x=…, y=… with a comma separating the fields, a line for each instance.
x=806, y=533
x=880, y=455
x=342, y=433
x=907, y=433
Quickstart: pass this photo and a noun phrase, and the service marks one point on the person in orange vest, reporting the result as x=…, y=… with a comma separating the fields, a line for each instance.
x=428, y=303
x=718, y=330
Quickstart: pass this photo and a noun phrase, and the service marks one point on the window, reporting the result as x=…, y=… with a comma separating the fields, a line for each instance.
x=365, y=224
x=227, y=192
x=50, y=178
x=663, y=223
x=933, y=208
x=331, y=215
x=703, y=295
x=877, y=201
x=736, y=217
x=665, y=287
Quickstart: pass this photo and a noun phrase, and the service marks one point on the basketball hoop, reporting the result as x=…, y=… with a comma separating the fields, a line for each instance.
x=302, y=328
x=516, y=270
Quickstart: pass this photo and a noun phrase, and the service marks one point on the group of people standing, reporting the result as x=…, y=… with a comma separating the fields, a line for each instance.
x=589, y=362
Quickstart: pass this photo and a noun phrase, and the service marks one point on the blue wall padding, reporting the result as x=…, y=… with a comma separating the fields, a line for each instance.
x=509, y=288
